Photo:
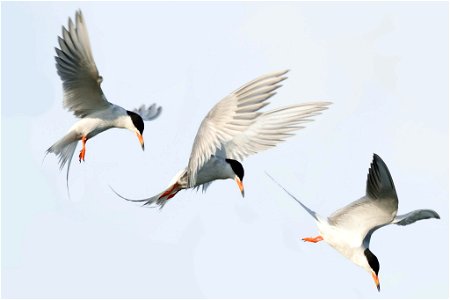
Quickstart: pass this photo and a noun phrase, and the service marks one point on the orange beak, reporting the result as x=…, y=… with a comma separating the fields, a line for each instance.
x=240, y=185
x=141, y=139
x=375, y=278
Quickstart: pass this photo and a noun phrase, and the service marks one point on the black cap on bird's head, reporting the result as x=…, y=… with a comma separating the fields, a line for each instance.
x=374, y=265
x=139, y=125
x=238, y=169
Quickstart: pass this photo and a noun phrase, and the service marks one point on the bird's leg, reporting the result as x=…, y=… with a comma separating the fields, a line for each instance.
x=313, y=239
x=172, y=195
x=83, y=150
x=170, y=192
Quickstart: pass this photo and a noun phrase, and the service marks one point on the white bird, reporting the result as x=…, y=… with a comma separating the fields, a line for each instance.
x=348, y=230
x=84, y=96
x=233, y=129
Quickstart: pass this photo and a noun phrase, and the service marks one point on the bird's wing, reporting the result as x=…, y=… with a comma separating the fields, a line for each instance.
x=229, y=117
x=416, y=215
x=76, y=67
x=376, y=209
x=271, y=128
x=148, y=113
x=406, y=219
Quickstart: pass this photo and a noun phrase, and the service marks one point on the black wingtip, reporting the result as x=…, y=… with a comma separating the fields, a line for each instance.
x=434, y=214
x=377, y=161
x=379, y=181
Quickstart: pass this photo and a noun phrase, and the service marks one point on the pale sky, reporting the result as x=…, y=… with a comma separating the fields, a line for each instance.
x=383, y=65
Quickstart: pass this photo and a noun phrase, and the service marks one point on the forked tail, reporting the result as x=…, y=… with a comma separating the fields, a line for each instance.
x=64, y=149
x=312, y=213
x=158, y=200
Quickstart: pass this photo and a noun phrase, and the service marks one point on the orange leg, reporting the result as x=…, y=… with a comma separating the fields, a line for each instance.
x=169, y=192
x=172, y=195
x=83, y=150
x=313, y=240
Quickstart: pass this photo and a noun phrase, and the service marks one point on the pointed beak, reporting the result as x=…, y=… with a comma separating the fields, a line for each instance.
x=240, y=185
x=141, y=139
x=377, y=282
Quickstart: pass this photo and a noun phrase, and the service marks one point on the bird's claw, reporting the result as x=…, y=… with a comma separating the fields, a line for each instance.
x=82, y=154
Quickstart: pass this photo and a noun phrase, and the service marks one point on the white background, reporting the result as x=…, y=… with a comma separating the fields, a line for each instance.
x=384, y=66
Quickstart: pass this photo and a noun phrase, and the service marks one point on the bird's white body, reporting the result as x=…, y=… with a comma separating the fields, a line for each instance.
x=99, y=121
x=338, y=238
x=344, y=241
x=214, y=169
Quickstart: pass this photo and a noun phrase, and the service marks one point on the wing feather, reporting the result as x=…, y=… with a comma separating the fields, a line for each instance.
x=416, y=215
x=271, y=128
x=76, y=68
x=149, y=113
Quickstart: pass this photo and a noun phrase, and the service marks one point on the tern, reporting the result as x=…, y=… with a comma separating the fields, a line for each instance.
x=349, y=229
x=234, y=129
x=84, y=97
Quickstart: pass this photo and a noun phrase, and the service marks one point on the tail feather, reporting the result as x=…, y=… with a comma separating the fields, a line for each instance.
x=311, y=212
x=158, y=200
x=64, y=150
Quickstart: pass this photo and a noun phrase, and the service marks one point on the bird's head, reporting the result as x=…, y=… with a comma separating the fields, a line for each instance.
x=238, y=170
x=137, y=125
x=372, y=265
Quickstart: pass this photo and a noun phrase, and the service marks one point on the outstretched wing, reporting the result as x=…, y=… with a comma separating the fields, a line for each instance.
x=406, y=219
x=148, y=113
x=228, y=118
x=76, y=68
x=372, y=211
x=271, y=128
x=416, y=215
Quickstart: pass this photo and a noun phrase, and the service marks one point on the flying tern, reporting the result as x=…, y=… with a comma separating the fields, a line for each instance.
x=234, y=129
x=350, y=228
x=84, y=97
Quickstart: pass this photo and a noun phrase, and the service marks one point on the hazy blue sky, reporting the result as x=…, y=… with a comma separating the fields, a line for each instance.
x=385, y=67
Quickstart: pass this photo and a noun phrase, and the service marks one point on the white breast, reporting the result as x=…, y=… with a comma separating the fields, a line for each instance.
x=344, y=241
x=95, y=123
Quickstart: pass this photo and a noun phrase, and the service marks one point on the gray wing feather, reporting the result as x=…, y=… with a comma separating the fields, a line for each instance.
x=416, y=215
x=406, y=219
x=149, y=113
x=76, y=67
